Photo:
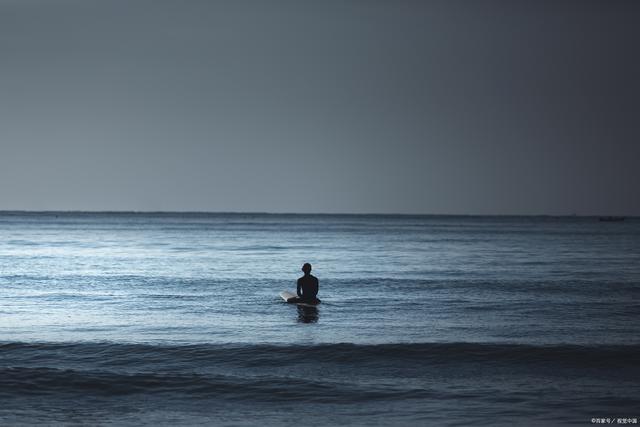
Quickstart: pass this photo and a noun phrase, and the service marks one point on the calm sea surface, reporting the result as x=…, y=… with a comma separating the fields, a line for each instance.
x=176, y=319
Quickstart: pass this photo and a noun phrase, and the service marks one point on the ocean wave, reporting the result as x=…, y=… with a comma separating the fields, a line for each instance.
x=264, y=355
x=322, y=373
x=45, y=381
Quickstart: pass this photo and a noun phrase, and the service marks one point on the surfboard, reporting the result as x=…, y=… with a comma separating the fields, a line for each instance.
x=285, y=295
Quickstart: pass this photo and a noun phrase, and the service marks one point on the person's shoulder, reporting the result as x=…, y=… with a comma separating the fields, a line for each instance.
x=314, y=277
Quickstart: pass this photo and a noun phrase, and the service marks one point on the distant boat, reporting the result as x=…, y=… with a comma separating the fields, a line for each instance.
x=611, y=218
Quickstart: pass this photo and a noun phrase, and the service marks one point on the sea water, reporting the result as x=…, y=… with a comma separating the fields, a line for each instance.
x=175, y=318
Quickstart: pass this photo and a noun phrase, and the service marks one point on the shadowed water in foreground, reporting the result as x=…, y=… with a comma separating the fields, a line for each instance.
x=479, y=383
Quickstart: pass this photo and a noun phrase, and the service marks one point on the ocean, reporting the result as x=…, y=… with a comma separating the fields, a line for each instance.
x=175, y=319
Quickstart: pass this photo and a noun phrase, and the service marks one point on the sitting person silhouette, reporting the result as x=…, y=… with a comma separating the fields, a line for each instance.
x=307, y=287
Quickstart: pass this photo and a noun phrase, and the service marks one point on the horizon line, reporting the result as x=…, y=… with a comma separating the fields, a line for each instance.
x=197, y=212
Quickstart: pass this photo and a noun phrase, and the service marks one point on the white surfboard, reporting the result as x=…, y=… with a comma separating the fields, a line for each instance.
x=286, y=295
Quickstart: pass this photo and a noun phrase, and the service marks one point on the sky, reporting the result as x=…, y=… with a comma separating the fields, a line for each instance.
x=350, y=106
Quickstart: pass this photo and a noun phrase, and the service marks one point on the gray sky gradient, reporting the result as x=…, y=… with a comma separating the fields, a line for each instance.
x=398, y=106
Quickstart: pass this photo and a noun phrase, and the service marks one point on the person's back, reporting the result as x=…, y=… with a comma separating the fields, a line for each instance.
x=307, y=288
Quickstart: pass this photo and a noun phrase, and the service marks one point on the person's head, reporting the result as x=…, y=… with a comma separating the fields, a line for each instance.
x=306, y=268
